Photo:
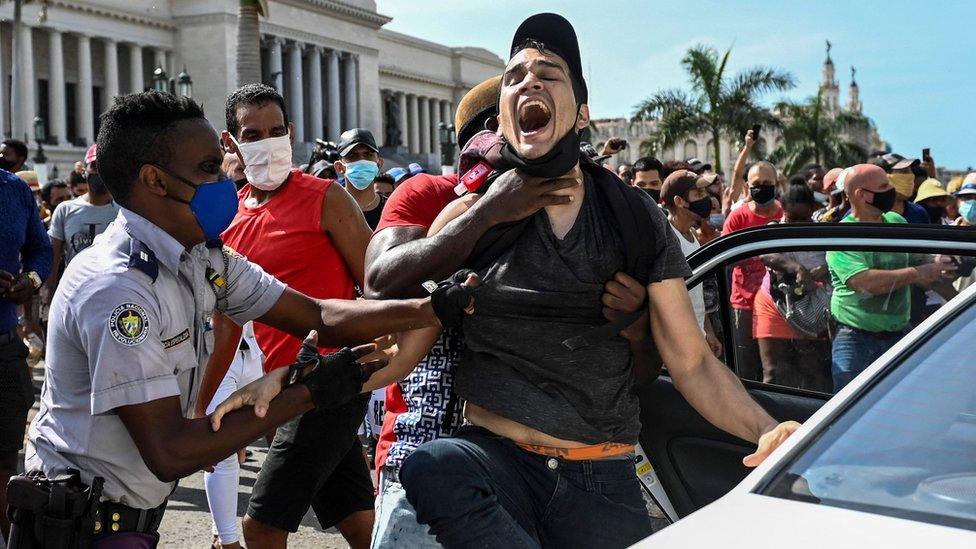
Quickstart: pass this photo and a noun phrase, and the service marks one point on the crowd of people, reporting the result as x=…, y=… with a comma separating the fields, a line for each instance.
x=191, y=292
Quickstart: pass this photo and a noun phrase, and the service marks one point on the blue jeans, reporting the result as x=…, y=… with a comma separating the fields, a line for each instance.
x=481, y=490
x=854, y=351
x=396, y=523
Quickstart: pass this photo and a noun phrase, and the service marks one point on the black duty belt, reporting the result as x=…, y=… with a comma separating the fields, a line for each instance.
x=115, y=517
x=7, y=337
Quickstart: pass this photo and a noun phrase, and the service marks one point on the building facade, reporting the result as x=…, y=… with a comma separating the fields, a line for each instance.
x=332, y=60
x=702, y=146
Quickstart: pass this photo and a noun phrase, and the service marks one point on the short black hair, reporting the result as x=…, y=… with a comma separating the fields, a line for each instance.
x=579, y=90
x=49, y=187
x=672, y=166
x=251, y=94
x=384, y=178
x=137, y=130
x=798, y=179
x=798, y=192
x=18, y=146
x=647, y=163
x=74, y=178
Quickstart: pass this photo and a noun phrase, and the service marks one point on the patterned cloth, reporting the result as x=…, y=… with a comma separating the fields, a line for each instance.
x=433, y=409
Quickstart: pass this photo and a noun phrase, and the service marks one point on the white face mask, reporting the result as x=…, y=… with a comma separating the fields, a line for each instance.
x=266, y=162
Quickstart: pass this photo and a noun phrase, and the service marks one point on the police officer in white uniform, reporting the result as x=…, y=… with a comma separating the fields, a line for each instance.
x=129, y=332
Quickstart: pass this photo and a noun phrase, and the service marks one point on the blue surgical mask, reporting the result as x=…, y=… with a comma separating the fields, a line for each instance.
x=214, y=204
x=361, y=173
x=968, y=211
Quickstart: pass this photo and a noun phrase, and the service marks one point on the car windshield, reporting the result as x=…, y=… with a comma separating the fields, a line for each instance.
x=907, y=448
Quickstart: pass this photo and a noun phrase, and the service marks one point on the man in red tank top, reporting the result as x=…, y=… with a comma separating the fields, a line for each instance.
x=310, y=234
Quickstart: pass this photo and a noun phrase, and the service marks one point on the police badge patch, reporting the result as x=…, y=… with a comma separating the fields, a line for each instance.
x=129, y=324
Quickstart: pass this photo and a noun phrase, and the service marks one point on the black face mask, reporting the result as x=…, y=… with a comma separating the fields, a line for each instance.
x=884, y=201
x=763, y=194
x=701, y=207
x=6, y=164
x=96, y=185
x=936, y=213
x=655, y=194
x=563, y=156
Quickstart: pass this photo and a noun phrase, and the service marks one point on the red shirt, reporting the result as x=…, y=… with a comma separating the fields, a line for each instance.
x=747, y=275
x=415, y=203
x=284, y=236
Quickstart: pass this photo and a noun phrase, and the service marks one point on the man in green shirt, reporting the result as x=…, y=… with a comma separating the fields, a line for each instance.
x=872, y=300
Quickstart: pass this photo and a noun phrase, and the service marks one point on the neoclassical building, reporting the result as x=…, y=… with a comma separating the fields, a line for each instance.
x=702, y=146
x=332, y=60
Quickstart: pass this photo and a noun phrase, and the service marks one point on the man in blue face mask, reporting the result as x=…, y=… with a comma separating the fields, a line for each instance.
x=359, y=166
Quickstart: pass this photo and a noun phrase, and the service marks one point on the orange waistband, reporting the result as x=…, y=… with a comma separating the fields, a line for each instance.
x=595, y=451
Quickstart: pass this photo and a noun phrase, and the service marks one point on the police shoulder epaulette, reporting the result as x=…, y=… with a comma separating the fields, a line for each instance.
x=141, y=258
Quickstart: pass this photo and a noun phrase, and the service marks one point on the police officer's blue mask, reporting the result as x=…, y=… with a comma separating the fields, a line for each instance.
x=361, y=173
x=214, y=204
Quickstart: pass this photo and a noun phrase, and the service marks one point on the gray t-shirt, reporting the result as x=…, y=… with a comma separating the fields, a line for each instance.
x=540, y=292
x=77, y=222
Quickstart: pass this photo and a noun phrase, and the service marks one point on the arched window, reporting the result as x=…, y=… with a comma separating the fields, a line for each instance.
x=710, y=152
x=691, y=149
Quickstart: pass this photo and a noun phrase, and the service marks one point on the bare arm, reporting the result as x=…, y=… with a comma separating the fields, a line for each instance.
x=708, y=385
x=57, y=252
x=227, y=337
x=173, y=446
x=399, y=259
x=411, y=347
x=343, y=221
x=347, y=322
x=738, y=172
x=880, y=281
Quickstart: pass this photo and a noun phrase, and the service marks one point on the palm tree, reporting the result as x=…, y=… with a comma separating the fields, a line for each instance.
x=715, y=104
x=248, y=61
x=811, y=134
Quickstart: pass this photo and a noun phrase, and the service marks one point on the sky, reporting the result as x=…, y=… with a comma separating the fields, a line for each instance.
x=916, y=63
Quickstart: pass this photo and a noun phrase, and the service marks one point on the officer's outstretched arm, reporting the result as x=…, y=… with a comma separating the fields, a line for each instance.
x=347, y=322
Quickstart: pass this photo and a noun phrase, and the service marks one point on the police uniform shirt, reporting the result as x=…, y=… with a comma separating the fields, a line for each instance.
x=129, y=324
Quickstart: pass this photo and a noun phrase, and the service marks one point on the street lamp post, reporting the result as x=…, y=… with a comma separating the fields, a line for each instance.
x=184, y=84
x=448, y=140
x=160, y=81
x=40, y=160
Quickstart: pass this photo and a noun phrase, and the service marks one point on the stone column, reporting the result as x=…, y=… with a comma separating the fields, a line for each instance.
x=435, y=125
x=424, y=125
x=85, y=110
x=315, y=123
x=135, y=68
x=414, y=118
x=349, y=94
x=58, y=124
x=24, y=112
x=295, y=92
x=274, y=63
x=404, y=126
x=111, y=72
x=332, y=95
x=446, y=113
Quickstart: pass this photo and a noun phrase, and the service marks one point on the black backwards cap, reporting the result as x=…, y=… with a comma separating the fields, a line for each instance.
x=558, y=36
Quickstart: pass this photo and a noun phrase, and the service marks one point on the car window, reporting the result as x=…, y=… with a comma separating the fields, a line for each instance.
x=815, y=319
x=907, y=448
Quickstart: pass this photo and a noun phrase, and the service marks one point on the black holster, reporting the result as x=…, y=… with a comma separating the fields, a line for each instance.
x=58, y=513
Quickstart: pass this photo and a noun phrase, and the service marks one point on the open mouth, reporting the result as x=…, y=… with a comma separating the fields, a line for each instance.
x=533, y=116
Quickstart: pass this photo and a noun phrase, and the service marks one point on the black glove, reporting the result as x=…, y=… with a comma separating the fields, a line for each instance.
x=333, y=379
x=451, y=297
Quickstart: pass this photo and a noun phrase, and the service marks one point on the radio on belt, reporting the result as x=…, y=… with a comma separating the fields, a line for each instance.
x=473, y=179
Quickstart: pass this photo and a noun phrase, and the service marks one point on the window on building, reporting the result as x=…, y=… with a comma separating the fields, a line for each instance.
x=44, y=106
x=691, y=149
x=70, y=96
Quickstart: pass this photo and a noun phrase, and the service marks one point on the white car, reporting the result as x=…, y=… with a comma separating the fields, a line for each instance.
x=889, y=461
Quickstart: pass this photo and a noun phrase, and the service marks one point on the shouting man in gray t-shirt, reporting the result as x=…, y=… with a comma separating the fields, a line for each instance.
x=544, y=457
x=76, y=223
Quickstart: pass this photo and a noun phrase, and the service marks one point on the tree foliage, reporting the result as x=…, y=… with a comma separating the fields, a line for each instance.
x=716, y=104
x=811, y=134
